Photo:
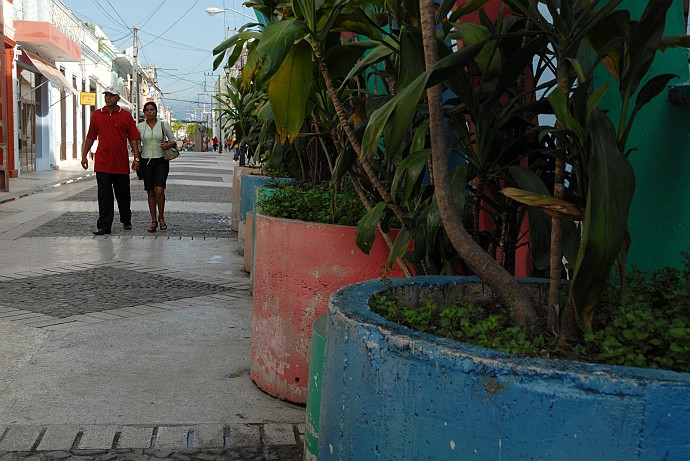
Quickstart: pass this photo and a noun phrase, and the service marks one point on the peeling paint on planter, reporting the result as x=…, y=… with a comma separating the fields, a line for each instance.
x=297, y=266
x=389, y=392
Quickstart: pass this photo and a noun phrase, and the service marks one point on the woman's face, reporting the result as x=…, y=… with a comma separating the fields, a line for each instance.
x=150, y=113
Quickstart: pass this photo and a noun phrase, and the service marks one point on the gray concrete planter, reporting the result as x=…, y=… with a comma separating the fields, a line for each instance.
x=389, y=392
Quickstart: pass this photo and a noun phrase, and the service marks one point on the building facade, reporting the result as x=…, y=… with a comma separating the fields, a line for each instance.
x=56, y=68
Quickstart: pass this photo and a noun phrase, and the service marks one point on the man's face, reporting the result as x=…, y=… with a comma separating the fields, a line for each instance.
x=111, y=99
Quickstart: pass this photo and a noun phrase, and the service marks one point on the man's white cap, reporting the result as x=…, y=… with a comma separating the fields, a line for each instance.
x=112, y=90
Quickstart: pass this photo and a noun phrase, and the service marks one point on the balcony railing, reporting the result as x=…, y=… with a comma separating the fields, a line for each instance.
x=54, y=12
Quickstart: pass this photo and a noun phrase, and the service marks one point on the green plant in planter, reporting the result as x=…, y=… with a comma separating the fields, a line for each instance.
x=395, y=143
x=602, y=179
x=313, y=203
x=647, y=325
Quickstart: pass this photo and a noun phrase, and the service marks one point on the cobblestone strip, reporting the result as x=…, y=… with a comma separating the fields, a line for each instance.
x=237, y=288
x=209, y=442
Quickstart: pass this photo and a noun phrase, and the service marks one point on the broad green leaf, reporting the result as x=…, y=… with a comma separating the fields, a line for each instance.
x=577, y=66
x=419, y=137
x=674, y=42
x=356, y=21
x=604, y=39
x=411, y=58
x=558, y=101
x=517, y=64
x=343, y=164
x=644, y=42
x=328, y=19
x=240, y=37
x=265, y=113
x=276, y=42
x=652, y=88
x=464, y=9
x=548, y=204
x=366, y=227
x=649, y=91
x=408, y=171
x=250, y=68
x=539, y=222
x=376, y=55
x=217, y=60
x=404, y=102
x=488, y=59
x=679, y=332
x=289, y=89
x=611, y=187
x=594, y=100
x=341, y=59
x=402, y=243
x=307, y=9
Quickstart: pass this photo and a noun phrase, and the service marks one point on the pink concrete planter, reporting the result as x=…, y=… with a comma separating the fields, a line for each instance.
x=297, y=266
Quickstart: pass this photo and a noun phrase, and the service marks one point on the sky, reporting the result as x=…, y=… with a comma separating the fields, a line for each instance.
x=175, y=35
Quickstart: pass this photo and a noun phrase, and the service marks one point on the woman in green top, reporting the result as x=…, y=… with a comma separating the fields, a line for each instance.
x=156, y=136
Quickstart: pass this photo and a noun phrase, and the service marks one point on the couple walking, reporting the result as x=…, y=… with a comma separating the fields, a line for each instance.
x=114, y=127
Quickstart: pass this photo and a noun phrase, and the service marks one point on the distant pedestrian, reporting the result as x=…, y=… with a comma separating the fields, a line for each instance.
x=214, y=141
x=112, y=127
x=236, y=149
x=156, y=136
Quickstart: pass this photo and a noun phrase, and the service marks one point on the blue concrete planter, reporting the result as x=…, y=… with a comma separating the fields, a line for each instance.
x=246, y=202
x=389, y=392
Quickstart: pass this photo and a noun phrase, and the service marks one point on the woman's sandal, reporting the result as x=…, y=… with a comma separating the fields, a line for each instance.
x=152, y=227
x=163, y=225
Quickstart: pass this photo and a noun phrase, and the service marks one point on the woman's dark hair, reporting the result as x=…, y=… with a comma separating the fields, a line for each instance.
x=150, y=103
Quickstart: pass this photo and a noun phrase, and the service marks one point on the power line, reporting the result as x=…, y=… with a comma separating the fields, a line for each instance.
x=100, y=7
x=174, y=23
x=153, y=11
x=118, y=14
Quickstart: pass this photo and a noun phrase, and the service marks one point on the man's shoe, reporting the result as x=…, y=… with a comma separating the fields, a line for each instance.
x=101, y=232
x=127, y=226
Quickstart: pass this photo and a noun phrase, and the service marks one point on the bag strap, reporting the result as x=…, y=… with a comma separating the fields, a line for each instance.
x=165, y=138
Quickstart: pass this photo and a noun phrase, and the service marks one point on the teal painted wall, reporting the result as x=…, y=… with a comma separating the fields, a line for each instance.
x=659, y=220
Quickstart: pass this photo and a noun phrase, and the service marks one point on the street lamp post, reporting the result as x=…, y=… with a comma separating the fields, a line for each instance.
x=226, y=71
x=213, y=11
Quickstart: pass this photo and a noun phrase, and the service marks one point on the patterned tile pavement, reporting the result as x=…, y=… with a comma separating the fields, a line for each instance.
x=69, y=296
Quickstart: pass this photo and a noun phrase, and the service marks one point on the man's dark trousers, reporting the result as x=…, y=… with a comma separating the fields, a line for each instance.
x=107, y=183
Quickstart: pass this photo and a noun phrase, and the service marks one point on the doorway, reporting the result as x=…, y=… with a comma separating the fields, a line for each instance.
x=26, y=126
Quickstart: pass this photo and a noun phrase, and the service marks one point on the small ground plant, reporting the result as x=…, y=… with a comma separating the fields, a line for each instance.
x=645, y=325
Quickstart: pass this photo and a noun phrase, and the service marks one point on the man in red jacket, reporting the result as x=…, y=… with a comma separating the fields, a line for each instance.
x=113, y=127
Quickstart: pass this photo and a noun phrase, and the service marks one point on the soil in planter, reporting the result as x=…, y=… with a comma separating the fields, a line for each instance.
x=646, y=325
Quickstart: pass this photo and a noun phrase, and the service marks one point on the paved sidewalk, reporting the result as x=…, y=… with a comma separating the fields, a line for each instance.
x=132, y=345
x=38, y=181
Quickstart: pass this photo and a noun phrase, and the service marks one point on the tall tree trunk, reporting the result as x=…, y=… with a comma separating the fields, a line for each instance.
x=343, y=119
x=487, y=268
x=365, y=201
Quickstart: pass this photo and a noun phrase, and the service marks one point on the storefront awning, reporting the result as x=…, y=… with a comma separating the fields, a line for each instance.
x=49, y=72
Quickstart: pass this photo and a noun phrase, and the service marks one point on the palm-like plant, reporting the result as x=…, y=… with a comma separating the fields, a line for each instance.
x=391, y=137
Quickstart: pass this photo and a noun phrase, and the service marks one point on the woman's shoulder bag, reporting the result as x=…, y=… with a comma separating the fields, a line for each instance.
x=172, y=152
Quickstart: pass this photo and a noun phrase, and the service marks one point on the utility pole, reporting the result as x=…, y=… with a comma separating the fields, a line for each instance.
x=135, y=55
x=4, y=113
